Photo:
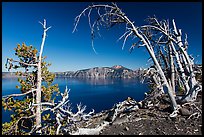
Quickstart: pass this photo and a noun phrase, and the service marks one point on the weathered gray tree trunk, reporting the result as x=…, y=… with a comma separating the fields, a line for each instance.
x=180, y=68
x=183, y=61
x=160, y=71
x=171, y=65
x=191, y=94
x=39, y=78
x=172, y=69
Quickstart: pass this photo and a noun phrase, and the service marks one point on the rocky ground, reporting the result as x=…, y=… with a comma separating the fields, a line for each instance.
x=158, y=122
x=154, y=120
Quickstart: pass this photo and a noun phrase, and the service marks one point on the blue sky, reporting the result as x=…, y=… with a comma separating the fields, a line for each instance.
x=73, y=51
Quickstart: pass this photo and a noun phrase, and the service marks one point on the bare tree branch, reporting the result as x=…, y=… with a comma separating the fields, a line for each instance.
x=17, y=95
x=20, y=62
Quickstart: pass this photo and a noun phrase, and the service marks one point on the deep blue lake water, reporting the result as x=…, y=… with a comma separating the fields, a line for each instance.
x=99, y=94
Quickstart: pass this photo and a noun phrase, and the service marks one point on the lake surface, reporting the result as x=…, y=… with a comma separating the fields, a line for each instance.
x=97, y=94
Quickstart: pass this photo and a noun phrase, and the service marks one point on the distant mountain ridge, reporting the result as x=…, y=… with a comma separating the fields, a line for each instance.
x=8, y=74
x=116, y=71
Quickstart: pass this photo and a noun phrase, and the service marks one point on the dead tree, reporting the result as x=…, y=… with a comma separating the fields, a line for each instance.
x=159, y=40
x=35, y=102
x=180, y=63
x=27, y=60
x=118, y=110
x=66, y=120
x=39, y=78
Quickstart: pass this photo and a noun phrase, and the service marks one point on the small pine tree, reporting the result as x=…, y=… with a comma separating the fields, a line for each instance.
x=35, y=85
x=23, y=117
x=36, y=111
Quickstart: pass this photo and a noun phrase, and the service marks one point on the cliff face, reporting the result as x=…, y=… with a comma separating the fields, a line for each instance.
x=101, y=72
x=116, y=71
